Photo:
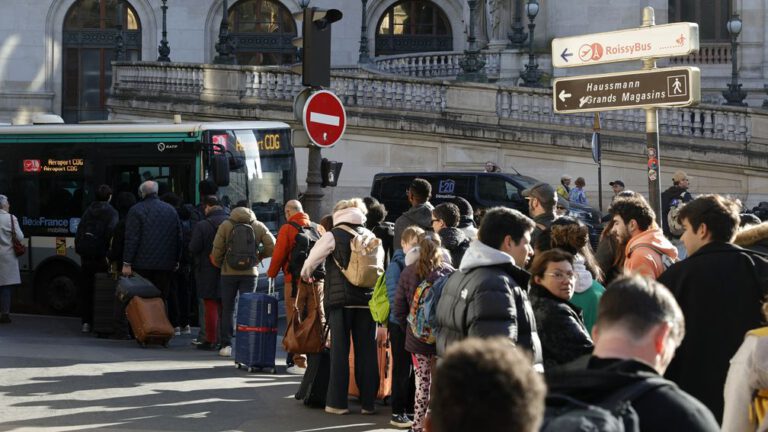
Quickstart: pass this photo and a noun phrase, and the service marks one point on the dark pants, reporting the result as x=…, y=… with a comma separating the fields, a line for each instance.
x=231, y=286
x=88, y=268
x=179, y=305
x=360, y=325
x=403, y=385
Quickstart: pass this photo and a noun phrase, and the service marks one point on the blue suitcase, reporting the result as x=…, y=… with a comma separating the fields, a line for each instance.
x=256, y=337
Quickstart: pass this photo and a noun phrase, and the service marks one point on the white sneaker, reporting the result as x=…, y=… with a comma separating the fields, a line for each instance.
x=177, y=331
x=295, y=370
x=187, y=330
x=226, y=351
x=86, y=328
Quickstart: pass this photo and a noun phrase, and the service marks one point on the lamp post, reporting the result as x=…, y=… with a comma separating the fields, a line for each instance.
x=734, y=95
x=364, y=54
x=517, y=37
x=532, y=74
x=164, y=49
x=472, y=63
x=225, y=47
x=119, y=38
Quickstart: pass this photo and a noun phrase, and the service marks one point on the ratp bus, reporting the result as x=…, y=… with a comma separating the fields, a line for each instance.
x=50, y=174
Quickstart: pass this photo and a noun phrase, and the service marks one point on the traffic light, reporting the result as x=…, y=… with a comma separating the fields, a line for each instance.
x=316, y=44
x=329, y=171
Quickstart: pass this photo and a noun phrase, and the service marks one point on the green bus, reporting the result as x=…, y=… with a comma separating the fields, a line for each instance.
x=50, y=174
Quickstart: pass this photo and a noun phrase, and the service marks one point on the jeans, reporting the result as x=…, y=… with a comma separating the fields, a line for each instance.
x=231, y=286
x=358, y=323
x=402, y=372
x=5, y=299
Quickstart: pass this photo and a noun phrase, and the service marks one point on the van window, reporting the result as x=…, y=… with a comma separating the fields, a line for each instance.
x=497, y=189
x=393, y=188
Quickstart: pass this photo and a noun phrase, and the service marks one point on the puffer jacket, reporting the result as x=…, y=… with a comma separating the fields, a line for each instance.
x=153, y=238
x=420, y=215
x=265, y=241
x=487, y=297
x=456, y=242
x=561, y=328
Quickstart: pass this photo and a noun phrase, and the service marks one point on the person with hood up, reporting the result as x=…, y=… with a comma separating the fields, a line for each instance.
x=467, y=218
x=420, y=213
x=648, y=252
x=488, y=296
x=346, y=310
x=235, y=281
x=445, y=222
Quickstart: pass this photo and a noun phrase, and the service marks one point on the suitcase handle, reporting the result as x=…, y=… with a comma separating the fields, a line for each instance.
x=271, y=286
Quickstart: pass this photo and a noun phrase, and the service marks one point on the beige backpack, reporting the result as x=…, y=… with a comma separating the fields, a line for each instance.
x=366, y=262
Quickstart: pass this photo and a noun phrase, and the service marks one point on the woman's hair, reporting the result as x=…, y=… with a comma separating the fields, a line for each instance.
x=430, y=254
x=572, y=236
x=413, y=232
x=352, y=202
x=542, y=260
x=580, y=182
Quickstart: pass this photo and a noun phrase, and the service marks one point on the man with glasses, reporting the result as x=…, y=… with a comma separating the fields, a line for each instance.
x=420, y=213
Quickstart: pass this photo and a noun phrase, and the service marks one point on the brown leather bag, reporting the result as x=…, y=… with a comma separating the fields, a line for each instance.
x=148, y=321
x=19, y=248
x=304, y=334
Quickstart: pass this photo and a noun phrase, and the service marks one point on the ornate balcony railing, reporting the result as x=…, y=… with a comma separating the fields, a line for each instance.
x=708, y=54
x=433, y=64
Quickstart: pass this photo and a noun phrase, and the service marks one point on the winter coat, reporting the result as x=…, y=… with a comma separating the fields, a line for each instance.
x=456, y=242
x=561, y=328
x=754, y=238
x=286, y=240
x=207, y=276
x=106, y=215
x=9, y=263
x=406, y=288
x=719, y=289
x=153, y=237
x=420, y=215
x=563, y=191
x=265, y=241
x=667, y=196
x=338, y=292
x=664, y=408
x=117, y=246
x=487, y=297
x=392, y=276
x=748, y=373
x=644, y=260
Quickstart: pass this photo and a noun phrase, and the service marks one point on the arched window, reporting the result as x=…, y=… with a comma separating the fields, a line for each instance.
x=262, y=31
x=90, y=36
x=711, y=15
x=413, y=26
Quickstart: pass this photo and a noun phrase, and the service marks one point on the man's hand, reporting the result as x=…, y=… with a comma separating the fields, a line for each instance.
x=127, y=271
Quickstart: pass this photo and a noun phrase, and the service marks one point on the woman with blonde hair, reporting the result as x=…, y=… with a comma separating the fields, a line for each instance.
x=346, y=309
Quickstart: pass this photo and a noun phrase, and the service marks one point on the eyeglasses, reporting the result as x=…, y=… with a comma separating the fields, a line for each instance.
x=561, y=275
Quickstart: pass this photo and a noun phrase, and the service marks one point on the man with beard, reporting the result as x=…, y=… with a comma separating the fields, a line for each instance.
x=541, y=208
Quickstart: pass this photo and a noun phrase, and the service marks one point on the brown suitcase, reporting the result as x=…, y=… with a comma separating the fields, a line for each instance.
x=384, y=355
x=149, y=321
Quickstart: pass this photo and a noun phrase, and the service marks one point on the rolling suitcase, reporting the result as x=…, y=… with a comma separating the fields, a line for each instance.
x=384, y=356
x=149, y=321
x=256, y=336
x=314, y=384
x=104, y=285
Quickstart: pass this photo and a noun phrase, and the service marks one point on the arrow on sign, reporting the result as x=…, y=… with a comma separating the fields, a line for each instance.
x=563, y=96
x=565, y=55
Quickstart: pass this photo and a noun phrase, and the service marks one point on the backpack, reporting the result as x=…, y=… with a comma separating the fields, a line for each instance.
x=91, y=238
x=305, y=240
x=666, y=260
x=431, y=300
x=612, y=414
x=241, y=251
x=417, y=316
x=379, y=302
x=366, y=260
x=674, y=225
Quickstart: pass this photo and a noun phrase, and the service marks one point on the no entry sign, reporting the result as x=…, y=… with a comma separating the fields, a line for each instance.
x=324, y=118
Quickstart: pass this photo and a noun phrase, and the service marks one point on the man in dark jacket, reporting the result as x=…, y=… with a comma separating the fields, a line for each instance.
x=488, y=296
x=153, y=239
x=638, y=327
x=94, y=233
x=542, y=199
x=207, y=276
x=673, y=196
x=445, y=222
x=419, y=214
x=720, y=288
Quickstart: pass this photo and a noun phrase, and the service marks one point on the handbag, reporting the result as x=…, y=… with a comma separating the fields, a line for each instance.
x=304, y=335
x=19, y=248
x=135, y=286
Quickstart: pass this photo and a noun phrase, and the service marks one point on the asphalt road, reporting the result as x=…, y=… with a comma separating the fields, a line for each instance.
x=54, y=378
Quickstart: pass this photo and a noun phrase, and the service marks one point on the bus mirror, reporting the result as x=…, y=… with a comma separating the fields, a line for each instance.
x=220, y=168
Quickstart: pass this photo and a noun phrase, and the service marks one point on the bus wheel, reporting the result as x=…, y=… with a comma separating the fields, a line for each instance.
x=58, y=289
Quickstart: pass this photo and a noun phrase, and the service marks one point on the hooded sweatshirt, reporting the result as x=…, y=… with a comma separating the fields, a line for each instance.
x=643, y=259
x=264, y=240
x=420, y=214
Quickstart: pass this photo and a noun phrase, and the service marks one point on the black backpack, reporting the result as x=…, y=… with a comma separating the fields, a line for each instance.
x=305, y=240
x=91, y=239
x=241, y=248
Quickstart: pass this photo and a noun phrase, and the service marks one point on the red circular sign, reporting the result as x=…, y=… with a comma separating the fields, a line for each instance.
x=324, y=118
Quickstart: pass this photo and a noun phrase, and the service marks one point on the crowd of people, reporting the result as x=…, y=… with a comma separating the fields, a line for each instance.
x=522, y=318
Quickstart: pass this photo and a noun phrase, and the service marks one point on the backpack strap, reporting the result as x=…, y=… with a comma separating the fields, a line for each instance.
x=648, y=246
x=348, y=229
x=295, y=225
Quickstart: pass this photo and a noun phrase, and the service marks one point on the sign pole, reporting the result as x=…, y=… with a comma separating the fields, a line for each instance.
x=652, y=134
x=596, y=142
x=313, y=197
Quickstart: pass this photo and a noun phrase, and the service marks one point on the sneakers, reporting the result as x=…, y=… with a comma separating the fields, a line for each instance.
x=226, y=351
x=401, y=421
x=187, y=330
x=295, y=370
x=367, y=412
x=86, y=328
x=337, y=411
x=177, y=331
x=5, y=319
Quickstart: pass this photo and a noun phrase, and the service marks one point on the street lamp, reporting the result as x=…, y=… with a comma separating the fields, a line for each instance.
x=734, y=95
x=225, y=47
x=164, y=50
x=472, y=63
x=119, y=38
x=516, y=36
x=364, y=54
x=532, y=74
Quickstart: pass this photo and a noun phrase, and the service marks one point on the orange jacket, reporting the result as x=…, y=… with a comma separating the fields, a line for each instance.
x=286, y=239
x=644, y=260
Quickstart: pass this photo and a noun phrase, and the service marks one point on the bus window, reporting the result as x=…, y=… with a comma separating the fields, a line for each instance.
x=169, y=178
x=49, y=206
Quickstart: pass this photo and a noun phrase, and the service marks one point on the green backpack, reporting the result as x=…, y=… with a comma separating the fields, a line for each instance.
x=379, y=302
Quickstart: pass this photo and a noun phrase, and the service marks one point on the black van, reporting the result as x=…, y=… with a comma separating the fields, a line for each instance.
x=481, y=189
